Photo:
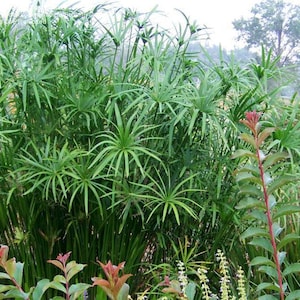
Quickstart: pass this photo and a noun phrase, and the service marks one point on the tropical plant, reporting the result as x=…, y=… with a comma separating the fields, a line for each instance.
x=116, y=140
x=260, y=177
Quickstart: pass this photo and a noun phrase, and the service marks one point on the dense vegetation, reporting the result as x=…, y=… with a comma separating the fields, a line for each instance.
x=116, y=144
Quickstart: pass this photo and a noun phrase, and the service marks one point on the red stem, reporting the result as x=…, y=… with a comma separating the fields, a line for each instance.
x=15, y=282
x=67, y=284
x=269, y=217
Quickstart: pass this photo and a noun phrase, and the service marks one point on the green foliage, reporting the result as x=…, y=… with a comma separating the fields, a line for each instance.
x=260, y=177
x=275, y=24
x=115, y=140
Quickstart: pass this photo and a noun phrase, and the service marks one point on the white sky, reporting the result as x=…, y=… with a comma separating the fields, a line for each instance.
x=215, y=14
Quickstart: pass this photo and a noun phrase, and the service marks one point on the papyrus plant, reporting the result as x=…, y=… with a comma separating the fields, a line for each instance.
x=260, y=176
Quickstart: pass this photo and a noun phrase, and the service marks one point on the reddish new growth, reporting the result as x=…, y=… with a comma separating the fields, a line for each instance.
x=114, y=283
x=61, y=261
x=3, y=254
x=252, y=121
x=63, y=257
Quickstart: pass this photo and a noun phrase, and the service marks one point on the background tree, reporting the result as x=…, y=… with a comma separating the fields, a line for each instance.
x=276, y=25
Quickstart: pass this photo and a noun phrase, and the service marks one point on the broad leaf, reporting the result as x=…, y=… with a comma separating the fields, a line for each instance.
x=251, y=190
x=258, y=215
x=247, y=176
x=272, y=272
x=11, y=267
x=267, y=286
x=40, y=289
x=77, y=289
x=123, y=293
x=74, y=270
x=263, y=243
x=249, y=203
x=59, y=278
x=190, y=290
x=57, y=286
x=249, y=139
x=261, y=260
x=267, y=297
x=242, y=153
x=254, y=232
x=18, y=275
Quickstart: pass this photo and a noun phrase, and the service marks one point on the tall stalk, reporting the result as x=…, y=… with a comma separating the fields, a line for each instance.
x=252, y=122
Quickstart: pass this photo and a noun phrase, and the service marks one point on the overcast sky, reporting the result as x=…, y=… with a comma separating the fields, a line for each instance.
x=215, y=14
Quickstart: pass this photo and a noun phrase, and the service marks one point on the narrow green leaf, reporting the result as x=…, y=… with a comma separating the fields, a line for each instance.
x=264, y=134
x=293, y=268
x=24, y=95
x=273, y=158
x=294, y=295
x=176, y=213
x=6, y=287
x=16, y=294
x=286, y=210
x=36, y=94
x=280, y=181
x=291, y=237
x=4, y=275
